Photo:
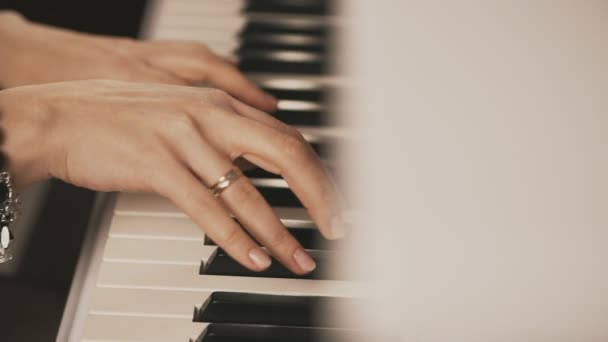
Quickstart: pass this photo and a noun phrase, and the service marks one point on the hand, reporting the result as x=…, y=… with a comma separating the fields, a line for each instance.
x=35, y=54
x=122, y=136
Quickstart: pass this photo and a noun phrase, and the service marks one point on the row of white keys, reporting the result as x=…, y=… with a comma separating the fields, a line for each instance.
x=149, y=275
x=143, y=314
x=106, y=328
x=216, y=24
x=149, y=205
x=148, y=294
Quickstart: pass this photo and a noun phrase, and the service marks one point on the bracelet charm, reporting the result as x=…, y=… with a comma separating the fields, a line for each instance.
x=9, y=213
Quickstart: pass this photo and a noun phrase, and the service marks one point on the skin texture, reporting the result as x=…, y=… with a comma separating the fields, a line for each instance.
x=146, y=130
x=35, y=54
x=172, y=140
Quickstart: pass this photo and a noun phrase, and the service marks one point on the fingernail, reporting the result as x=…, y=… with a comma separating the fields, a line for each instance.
x=338, y=228
x=304, y=260
x=259, y=258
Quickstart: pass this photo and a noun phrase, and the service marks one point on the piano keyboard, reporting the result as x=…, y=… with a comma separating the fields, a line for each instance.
x=150, y=274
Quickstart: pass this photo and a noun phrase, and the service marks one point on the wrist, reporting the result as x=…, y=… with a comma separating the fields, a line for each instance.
x=24, y=139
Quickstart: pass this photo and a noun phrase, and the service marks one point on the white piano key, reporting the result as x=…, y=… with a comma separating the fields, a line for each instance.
x=310, y=80
x=138, y=204
x=223, y=23
x=201, y=7
x=134, y=328
x=223, y=18
x=270, y=182
x=147, y=303
x=187, y=278
x=169, y=228
x=182, y=252
x=298, y=105
x=203, y=35
x=182, y=228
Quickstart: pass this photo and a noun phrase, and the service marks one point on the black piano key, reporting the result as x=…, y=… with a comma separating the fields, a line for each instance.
x=301, y=117
x=286, y=26
x=226, y=332
x=297, y=42
x=314, y=95
x=282, y=61
x=313, y=7
x=253, y=308
x=280, y=197
x=220, y=263
x=322, y=149
x=258, y=172
x=309, y=238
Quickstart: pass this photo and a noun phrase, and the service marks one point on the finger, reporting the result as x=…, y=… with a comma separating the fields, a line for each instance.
x=244, y=201
x=147, y=73
x=196, y=63
x=179, y=185
x=288, y=154
x=226, y=76
x=258, y=115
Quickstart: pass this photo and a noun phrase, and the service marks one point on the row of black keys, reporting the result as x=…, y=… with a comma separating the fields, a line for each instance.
x=292, y=48
x=228, y=332
x=260, y=41
x=308, y=7
x=284, y=46
x=320, y=249
x=251, y=317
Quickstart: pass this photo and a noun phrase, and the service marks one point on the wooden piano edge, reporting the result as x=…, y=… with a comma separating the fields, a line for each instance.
x=76, y=308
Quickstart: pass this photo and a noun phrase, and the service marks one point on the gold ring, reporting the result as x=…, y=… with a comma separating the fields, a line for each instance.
x=225, y=182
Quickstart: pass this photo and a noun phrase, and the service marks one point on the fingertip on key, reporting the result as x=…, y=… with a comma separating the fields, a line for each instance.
x=304, y=260
x=260, y=258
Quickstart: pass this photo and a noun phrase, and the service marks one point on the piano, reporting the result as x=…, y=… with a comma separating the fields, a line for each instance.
x=148, y=273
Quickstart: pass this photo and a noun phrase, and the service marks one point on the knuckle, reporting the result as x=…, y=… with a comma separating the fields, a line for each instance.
x=200, y=50
x=231, y=237
x=296, y=134
x=292, y=147
x=182, y=124
x=280, y=238
x=218, y=95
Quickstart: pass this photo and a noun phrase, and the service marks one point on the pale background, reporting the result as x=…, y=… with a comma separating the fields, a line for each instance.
x=482, y=169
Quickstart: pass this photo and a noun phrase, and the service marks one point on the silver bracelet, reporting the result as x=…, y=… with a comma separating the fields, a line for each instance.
x=9, y=212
